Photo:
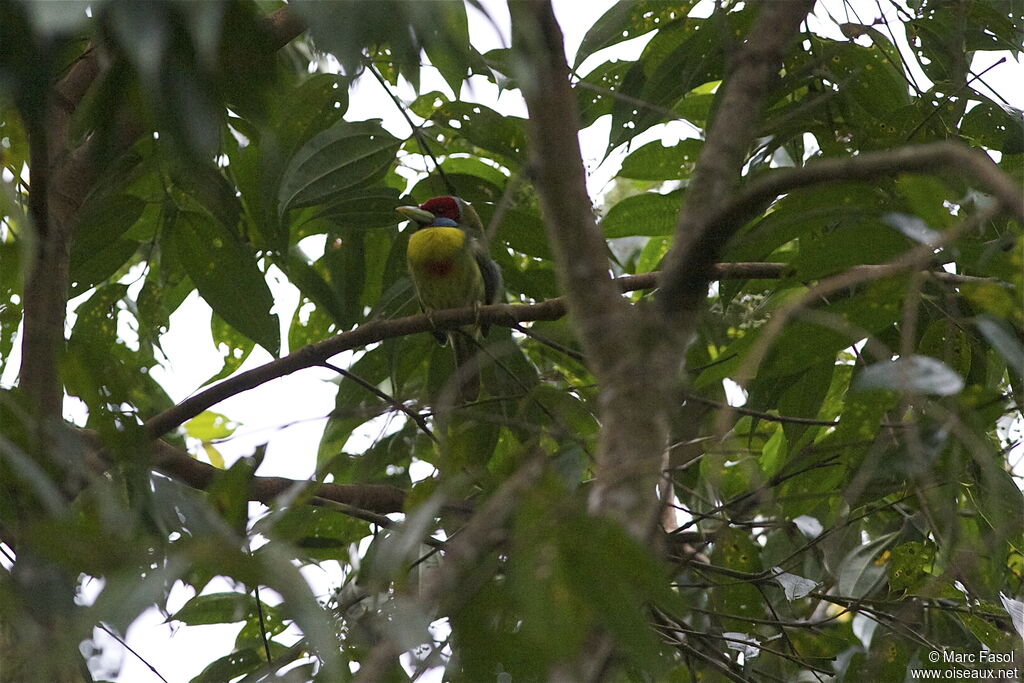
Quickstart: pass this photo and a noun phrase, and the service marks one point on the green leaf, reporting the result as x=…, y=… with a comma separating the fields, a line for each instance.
x=10, y=298
x=344, y=264
x=314, y=286
x=354, y=405
x=887, y=659
x=320, y=533
x=309, y=324
x=611, y=570
x=278, y=573
x=811, y=214
x=736, y=551
x=627, y=20
x=485, y=128
x=804, y=398
x=477, y=182
x=343, y=157
x=447, y=42
x=99, y=249
x=678, y=59
x=648, y=214
x=927, y=198
x=949, y=343
x=310, y=108
x=233, y=346
x=803, y=343
x=228, y=278
x=995, y=126
x=867, y=79
x=1002, y=338
x=522, y=229
x=916, y=374
x=231, y=666
x=595, y=93
x=993, y=299
x=209, y=425
x=216, y=608
x=860, y=570
x=366, y=208
x=908, y=564
x=204, y=188
x=853, y=240
x=654, y=161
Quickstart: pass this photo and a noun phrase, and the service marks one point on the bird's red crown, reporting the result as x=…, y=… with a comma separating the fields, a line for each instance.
x=443, y=207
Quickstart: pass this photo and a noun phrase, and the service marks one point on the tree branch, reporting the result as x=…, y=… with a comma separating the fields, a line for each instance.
x=698, y=239
x=950, y=155
x=61, y=179
x=283, y=26
x=500, y=314
x=599, y=313
x=378, y=498
x=372, y=332
x=616, y=338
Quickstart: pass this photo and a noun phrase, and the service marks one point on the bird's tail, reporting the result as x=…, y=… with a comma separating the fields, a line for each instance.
x=467, y=366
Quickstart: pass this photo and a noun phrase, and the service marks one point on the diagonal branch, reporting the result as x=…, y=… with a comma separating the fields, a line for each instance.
x=363, y=501
x=908, y=260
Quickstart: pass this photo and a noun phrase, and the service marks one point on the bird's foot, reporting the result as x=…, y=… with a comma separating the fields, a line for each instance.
x=439, y=335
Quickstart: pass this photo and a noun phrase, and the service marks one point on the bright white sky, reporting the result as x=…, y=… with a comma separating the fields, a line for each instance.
x=289, y=413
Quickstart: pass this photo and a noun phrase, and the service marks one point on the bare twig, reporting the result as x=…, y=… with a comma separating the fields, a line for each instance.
x=416, y=131
x=123, y=643
x=420, y=421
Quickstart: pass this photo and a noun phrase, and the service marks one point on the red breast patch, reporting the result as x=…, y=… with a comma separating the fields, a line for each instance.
x=439, y=268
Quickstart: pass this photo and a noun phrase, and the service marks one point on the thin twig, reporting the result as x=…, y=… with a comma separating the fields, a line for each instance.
x=910, y=259
x=416, y=131
x=420, y=421
x=262, y=621
x=128, y=647
x=372, y=517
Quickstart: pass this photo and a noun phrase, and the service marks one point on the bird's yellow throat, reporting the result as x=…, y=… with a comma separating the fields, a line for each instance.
x=434, y=245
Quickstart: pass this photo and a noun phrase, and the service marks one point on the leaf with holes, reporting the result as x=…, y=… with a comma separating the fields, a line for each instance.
x=627, y=20
x=654, y=161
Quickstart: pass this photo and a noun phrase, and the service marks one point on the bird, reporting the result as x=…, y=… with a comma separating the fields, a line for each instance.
x=450, y=267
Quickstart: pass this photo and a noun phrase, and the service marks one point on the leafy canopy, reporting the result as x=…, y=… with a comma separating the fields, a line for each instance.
x=860, y=510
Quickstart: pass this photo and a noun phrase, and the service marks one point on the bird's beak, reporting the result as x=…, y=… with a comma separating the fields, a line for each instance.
x=416, y=214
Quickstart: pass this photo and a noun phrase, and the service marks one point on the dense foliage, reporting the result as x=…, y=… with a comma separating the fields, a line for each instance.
x=858, y=512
